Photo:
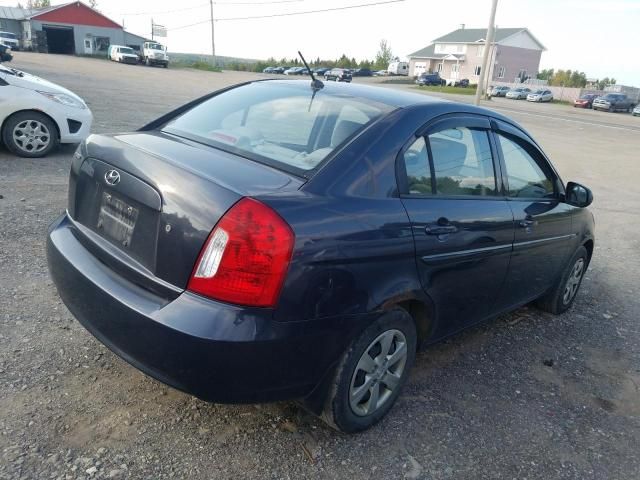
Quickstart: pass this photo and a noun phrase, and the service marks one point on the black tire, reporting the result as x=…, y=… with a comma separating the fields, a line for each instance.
x=338, y=411
x=555, y=300
x=20, y=117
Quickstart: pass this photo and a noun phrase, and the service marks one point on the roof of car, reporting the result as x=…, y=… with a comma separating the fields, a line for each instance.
x=392, y=97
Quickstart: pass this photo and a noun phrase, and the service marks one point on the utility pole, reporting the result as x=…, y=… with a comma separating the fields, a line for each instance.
x=213, y=42
x=487, y=49
x=152, y=29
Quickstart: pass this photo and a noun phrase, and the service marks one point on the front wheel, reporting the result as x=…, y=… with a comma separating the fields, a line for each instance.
x=372, y=372
x=30, y=134
x=561, y=296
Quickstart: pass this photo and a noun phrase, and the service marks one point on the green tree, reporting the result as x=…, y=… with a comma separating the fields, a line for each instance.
x=384, y=56
x=38, y=3
x=605, y=82
x=545, y=74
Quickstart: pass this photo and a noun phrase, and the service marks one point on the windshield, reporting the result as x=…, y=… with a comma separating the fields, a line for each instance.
x=127, y=50
x=277, y=124
x=156, y=46
x=8, y=35
x=539, y=92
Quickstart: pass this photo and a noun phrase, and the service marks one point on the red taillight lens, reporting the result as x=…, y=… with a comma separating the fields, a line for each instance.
x=246, y=256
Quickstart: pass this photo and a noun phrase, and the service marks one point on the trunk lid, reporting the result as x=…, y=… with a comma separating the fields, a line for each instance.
x=151, y=223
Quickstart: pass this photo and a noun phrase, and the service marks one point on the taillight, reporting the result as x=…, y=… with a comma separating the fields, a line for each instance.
x=246, y=257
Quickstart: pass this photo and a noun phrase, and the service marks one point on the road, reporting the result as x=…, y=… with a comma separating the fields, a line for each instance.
x=527, y=395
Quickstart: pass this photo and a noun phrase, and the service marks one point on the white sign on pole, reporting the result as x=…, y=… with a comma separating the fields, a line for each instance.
x=159, y=30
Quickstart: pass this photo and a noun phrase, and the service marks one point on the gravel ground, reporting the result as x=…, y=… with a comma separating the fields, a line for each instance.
x=527, y=396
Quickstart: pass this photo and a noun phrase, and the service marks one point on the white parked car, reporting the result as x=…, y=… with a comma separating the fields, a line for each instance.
x=541, y=95
x=36, y=115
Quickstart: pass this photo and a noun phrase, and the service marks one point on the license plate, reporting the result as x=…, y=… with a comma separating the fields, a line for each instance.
x=117, y=219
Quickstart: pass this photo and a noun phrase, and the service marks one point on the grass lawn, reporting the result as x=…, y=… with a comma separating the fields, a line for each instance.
x=454, y=90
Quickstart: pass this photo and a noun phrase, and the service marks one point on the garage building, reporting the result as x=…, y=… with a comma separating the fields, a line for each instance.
x=70, y=28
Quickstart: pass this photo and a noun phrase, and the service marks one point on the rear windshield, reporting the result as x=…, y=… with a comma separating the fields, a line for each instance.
x=278, y=124
x=8, y=35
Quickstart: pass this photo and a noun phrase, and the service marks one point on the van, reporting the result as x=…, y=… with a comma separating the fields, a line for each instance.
x=122, y=54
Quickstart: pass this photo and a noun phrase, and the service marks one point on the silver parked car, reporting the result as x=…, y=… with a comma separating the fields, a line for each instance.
x=519, y=93
x=541, y=95
x=636, y=111
x=499, y=91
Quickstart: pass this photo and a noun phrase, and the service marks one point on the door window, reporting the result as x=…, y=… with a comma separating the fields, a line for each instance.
x=462, y=162
x=416, y=162
x=525, y=177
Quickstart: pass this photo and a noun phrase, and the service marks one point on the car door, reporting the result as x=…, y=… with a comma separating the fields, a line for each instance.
x=542, y=221
x=462, y=225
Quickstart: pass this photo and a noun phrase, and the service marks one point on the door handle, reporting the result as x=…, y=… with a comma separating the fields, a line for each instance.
x=440, y=229
x=527, y=222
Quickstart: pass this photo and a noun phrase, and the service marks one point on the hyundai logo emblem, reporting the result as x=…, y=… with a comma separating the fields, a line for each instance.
x=112, y=177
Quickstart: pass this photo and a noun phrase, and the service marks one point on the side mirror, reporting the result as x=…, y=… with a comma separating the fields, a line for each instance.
x=578, y=195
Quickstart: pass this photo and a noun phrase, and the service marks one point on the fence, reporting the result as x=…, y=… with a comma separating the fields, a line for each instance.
x=567, y=94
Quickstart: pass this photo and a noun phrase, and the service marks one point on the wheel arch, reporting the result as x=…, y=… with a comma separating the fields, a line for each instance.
x=589, y=245
x=30, y=110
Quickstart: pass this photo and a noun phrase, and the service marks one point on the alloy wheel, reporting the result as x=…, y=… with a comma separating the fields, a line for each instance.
x=573, y=282
x=31, y=136
x=378, y=373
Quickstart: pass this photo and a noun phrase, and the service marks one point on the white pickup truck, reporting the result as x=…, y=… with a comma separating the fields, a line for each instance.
x=10, y=40
x=154, y=53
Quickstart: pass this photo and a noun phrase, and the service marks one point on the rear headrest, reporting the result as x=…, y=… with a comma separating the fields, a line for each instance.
x=343, y=130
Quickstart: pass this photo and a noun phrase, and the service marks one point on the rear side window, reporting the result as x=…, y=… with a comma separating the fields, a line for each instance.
x=525, y=177
x=416, y=162
x=462, y=162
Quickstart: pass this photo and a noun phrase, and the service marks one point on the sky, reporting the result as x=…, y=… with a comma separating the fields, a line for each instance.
x=598, y=37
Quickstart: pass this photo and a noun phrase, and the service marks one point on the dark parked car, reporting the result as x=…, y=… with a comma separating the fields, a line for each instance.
x=585, y=101
x=430, y=79
x=362, y=72
x=5, y=54
x=464, y=83
x=338, y=75
x=272, y=241
x=321, y=70
x=613, y=102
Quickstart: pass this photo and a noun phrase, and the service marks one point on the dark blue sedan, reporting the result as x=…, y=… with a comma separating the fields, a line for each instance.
x=279, y=241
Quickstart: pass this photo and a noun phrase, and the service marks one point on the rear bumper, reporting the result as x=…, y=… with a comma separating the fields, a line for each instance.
x=215, y=351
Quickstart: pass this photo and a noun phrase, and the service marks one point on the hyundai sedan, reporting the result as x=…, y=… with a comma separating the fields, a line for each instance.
x=276, y=241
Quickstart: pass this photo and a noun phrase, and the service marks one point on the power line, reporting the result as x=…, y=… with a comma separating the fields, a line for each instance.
x=270, y=2
x=309, y=11
x=166, y=11
x=257, y=3
x=290, y=13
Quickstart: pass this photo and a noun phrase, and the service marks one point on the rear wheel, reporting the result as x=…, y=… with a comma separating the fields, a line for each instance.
x=30, y=134
x=372, y=373
x=560, y=298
